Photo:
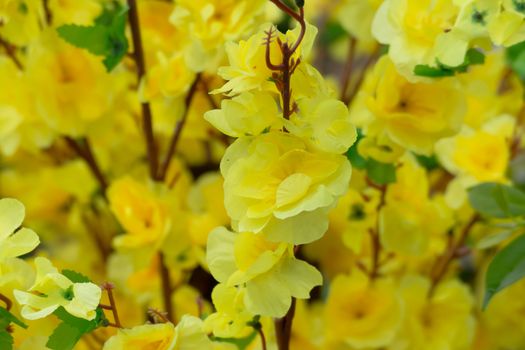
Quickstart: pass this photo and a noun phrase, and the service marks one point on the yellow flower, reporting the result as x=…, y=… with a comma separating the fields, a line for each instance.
x=356, y=17
x=479, y=154
x=187, y=335
x=247, y=68
x=248, y=114
x=14, y=244
x=52, y=290
x=324, y=123
x=20, y=19
x=413, y=28
x=231, y=318
x=269, y=271
x=169, y=78
x=143, y=216
x=72, y=89
x=362, y=313
x=275, y=185
x=507, y=28
x=81, y=12
x=441, y=321
x=411, y=222
x=413, y=115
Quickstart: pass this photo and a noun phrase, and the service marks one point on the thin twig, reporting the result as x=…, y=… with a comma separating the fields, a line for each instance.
x=263, y=338
x=47, y=12
x=166, y=288
x=8, y=303
x=348, y=69
x=10, y=51
x=283, y=328
x=83, y=149
x=443, y=262
x=371, y=59
x=177, y=131
x=108, y=287
x=374, y=235
x=147, y=119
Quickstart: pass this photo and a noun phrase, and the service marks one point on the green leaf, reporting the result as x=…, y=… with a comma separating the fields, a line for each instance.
x=106, y=38
x=6, y=340
x=64, y=337
x=432, y=72
x=353, y=155
x=6, y=318
x=497, y=200
x=332, y=33
x=75, y=277
x=428, y=162
x=81, y=324
x=494, y=239
x=380, y=173
x=472, y=57
x=241, y=343
x=507, y=267
x=516, y=59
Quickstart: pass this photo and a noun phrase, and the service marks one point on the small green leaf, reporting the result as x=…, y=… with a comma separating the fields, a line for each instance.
x=64, y=337
x=241, y=343
x=432, y=72
x=516, y=59
x=428, y=162
x=83, y=325
x=6, y=318
x=507, y=267
x=353, y=155
x=75, y=277
x=497, y=200
x=494, y=239
x=6, y=340
x=106, y=38
x=380, y=173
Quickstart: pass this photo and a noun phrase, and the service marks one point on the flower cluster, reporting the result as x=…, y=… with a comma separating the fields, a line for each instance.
x=262, y=174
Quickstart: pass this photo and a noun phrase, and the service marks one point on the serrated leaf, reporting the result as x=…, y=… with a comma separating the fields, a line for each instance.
x=380, y=173
x=64, y=337
x=6, y=340
x=6, y=318
x=497, y=200
x=83, y=325
x=106, y=38
x=75, y=277
x=507, y=267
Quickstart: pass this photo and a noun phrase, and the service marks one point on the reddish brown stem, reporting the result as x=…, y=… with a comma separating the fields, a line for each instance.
x=443, y=262
x=371, y=59
x=283, y=328
x=166, y=288
x=8, y=303
x=83, y=149
x=263, y=338
x=147, y=118
x=177, y=132
x=10, y=51
x=108, y=287
x=349, y=67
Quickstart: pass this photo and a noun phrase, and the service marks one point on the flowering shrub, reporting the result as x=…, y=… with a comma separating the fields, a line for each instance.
x=262, y=174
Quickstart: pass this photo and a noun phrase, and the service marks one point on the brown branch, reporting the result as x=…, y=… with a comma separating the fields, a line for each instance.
x=147, y=118
x=10, y=51
x=371, y=59
x=443, y=262
x=83, y=149
x=47, y=12
x=283, y=328
x=177, y=132
x=166, y=288
x=8, y=303
x=374, y=235
x=349, y=67
x=263, y=338
x=108, y=287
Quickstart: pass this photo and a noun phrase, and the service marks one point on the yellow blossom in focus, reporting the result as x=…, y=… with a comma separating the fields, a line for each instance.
x=362, y=313
x=248, y=114
x=273, y=184
x=52, y=290
x=187, y=335
x=143, y=216
x=269, y=271
x=231, y=318
x=14, y=241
